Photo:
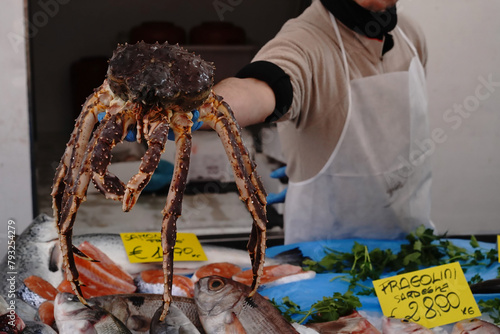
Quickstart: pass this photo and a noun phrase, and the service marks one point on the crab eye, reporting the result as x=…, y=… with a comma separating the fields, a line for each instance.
x=215, y=284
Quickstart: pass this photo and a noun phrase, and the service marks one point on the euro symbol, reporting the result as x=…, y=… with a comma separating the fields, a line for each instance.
x=137, y=250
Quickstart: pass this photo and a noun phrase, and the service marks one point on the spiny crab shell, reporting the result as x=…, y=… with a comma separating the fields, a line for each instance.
x=162, y=74
x=153, y=87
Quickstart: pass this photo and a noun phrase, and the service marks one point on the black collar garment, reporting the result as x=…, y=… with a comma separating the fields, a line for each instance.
x=363, y=21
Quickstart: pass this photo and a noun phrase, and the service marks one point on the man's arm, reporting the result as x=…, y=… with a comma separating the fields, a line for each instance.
x=251, y=100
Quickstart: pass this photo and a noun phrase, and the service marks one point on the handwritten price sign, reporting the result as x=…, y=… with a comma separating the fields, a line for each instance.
x=431, y=297
x=146, y=247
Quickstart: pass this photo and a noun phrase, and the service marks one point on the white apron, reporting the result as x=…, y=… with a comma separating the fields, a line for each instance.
x=376, y=183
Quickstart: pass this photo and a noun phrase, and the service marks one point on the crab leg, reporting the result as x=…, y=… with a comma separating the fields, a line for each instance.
x=218, y=115
x=181, y=125
x=114, y=130
x=76, y=195
x=156, y=137
x=75, y=148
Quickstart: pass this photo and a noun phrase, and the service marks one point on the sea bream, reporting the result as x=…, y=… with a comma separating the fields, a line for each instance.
x=36, y=327
x=72, y=317
x=353, y=323
x=136, y=310
x=475, y=326
x=176, y=322
x=224, y=307
x=401, y=326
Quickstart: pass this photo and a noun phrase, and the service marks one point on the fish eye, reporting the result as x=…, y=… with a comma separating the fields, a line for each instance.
x=216, y=284
x=405, y=320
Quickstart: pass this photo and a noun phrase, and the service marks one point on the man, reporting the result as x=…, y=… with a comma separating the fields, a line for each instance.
x=345, y=83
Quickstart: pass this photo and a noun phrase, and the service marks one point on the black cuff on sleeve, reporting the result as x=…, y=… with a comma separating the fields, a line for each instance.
x=277, y=79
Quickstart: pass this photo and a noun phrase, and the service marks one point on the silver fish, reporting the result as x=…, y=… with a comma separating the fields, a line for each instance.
x=136, y=310
x=72, y=317
x=475, y=326
x=34, y=256
x=36, y=327
x=224, y=307
x=176, y=322
x=400, y=326
x=25, y=311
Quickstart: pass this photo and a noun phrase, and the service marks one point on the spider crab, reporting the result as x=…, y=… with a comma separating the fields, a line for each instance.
x=154, y=88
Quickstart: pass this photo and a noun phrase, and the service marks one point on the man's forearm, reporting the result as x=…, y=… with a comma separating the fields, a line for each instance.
x=251, y=100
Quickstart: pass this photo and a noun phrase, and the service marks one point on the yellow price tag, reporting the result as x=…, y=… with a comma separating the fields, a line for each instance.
x=498, y=247
x=431, y=297
x=146, y=247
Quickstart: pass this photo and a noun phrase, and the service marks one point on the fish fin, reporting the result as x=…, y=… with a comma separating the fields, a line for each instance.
x=82, y=255
x=234, y=326
x=250, y=302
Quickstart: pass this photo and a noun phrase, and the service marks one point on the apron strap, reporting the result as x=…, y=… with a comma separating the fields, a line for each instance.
x=342, y=48
x=349, y=99
x=410, y=44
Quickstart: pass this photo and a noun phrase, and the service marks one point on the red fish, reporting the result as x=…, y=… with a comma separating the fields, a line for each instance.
x=350, y=324
x=475, y=326
x=397, y=326
x=224, y=307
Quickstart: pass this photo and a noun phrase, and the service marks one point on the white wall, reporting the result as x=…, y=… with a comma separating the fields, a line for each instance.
x=15, y=162
x=464, y=52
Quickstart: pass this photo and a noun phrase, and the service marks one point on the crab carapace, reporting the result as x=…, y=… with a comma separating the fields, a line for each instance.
x=153, y=88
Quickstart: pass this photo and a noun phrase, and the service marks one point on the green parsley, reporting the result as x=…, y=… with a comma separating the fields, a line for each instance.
x=424, y=249
x=327, y=309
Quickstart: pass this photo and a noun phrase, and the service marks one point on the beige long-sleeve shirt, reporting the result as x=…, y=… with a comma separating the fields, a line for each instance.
x=307, y=49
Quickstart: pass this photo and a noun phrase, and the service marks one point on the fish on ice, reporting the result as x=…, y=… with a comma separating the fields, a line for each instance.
x=224, y=307
x=352, y=323
x=176, y=322
x=35, y=255
x=475, y=326
x=136, y=310
x=72, y=317
x=401, y=326
x=37, y=327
